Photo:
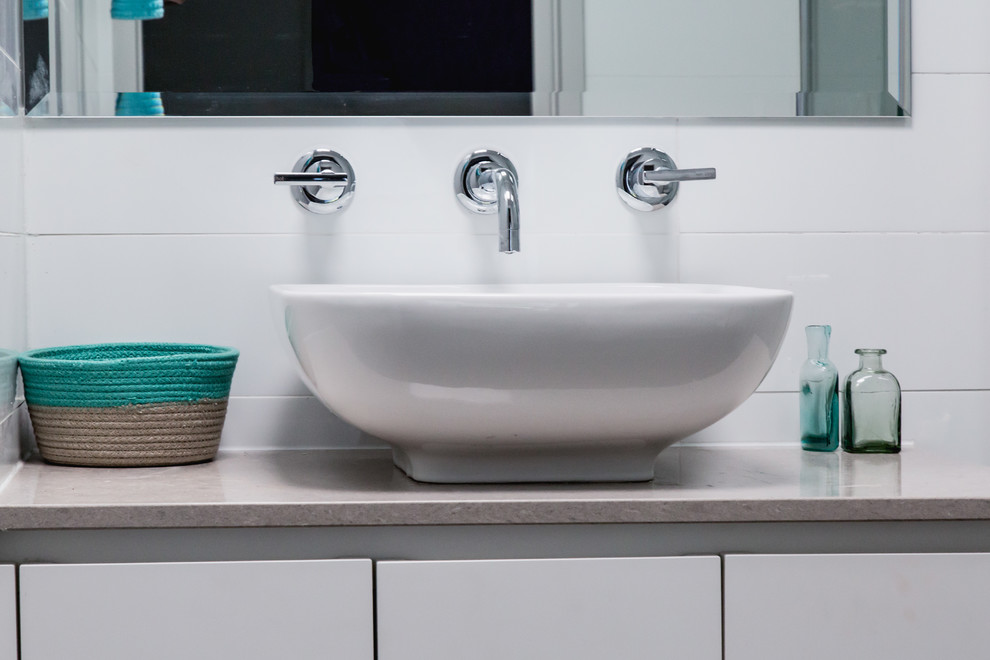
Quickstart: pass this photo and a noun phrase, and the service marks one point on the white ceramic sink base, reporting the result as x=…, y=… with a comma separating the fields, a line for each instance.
x=609, y=460
x=523, y=383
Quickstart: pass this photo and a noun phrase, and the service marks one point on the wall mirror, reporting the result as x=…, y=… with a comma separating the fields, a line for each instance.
x=606, y=58
x=9, y=58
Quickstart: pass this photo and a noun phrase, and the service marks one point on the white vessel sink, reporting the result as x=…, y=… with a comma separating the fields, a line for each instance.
x=541, y=382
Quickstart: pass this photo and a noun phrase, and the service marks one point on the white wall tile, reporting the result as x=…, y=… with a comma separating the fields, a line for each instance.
x=923, y=173
x=181, y=175
x=12, y=292
x=948, y=423
x=923, y=297
x=764, y=418
x=288, y=423
x=950, y=36
x=11, y=175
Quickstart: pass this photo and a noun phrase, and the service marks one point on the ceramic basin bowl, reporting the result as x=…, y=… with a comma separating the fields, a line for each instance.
x=541, y=382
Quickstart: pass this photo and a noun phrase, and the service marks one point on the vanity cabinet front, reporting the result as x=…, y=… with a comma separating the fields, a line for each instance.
x=876, y=606
x=242, y=610
x=655, y=607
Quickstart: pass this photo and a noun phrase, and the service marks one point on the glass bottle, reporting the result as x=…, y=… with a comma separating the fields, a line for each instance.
x=872, y=417
x=819, y=396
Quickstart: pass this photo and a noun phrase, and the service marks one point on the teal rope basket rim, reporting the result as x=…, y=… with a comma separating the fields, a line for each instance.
x=94, y=354
x=110, y=375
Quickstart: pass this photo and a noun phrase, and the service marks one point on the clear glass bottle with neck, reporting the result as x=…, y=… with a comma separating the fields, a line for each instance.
x=872, y=416
x=819, y=394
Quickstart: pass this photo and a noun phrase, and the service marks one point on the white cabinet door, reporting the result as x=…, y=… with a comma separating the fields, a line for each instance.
x=550, y=609
x=217, y=611
x=880, y=607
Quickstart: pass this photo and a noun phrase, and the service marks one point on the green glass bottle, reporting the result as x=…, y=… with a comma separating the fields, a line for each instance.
x=819, y=394
x=872, y=416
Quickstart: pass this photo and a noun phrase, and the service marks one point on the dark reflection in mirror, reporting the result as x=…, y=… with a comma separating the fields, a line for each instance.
x=440, y=57
x=36, y=57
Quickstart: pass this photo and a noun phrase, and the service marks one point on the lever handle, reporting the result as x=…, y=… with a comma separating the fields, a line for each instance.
x=647, y=179
x=309, y=178
x=697, y=174
x=322, y=181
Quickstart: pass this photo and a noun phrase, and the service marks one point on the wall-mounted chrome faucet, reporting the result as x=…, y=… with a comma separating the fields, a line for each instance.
x=322, y=181
x=647, y=179
x=486, y=182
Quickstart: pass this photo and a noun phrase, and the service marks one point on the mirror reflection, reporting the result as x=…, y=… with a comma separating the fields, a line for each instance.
x=9, y=58
x=611, y=58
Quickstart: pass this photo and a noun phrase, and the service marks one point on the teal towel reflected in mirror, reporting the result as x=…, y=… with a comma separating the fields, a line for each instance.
x=140, y=10
x=139, y=104
x=35, y=9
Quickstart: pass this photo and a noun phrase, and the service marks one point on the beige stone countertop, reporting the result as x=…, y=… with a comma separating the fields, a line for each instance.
x=361, y=487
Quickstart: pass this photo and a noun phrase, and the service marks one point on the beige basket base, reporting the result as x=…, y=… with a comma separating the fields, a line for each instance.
x=130, y=436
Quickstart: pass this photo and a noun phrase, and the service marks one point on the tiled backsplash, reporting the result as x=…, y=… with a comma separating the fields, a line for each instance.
x=170, y=229
x=168, y=253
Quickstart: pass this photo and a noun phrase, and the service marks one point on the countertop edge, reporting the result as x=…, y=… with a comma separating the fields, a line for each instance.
x=415, y=514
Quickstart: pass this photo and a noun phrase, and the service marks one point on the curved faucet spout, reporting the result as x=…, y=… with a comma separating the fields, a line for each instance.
x=486, y=182
x=507, y=198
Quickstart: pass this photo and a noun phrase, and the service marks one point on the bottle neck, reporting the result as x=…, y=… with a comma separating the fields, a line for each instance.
x=870, y=361
x=818, y=336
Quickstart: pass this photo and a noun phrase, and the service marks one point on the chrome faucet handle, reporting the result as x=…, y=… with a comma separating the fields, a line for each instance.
x=486, y=182
x=647, y=179
x=322, y=181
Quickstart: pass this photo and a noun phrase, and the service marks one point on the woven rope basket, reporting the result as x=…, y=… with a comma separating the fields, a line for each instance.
x=128, y=404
